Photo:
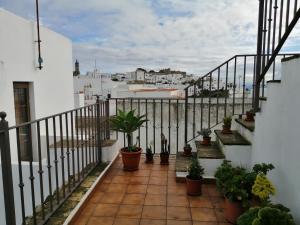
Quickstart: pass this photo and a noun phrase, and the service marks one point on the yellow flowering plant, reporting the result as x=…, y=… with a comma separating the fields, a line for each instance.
x=263, y=188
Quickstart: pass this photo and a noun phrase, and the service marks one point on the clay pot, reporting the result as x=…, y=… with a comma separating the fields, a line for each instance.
x=164, y=159
x=226, y=130
x=249, y=116
x=193, y=187
x=187, y=151
x=255, y=202
x=206, y=141
x=149, y=158
x=131, y=160
x=233, y=210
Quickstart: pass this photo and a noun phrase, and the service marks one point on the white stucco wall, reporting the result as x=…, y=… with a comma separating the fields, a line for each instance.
x=276, y=137
x=51, y=89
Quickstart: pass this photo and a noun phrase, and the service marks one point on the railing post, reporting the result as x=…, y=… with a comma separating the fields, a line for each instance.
x=107, y=132
x=186, y=116
x=8, y=190
x=99, y=147
x=259, y=52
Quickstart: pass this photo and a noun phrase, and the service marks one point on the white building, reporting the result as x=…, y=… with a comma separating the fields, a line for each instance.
x=94, y=83
x=26, y=92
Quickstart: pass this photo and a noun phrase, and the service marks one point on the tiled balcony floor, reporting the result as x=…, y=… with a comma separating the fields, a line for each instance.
x=150, y=196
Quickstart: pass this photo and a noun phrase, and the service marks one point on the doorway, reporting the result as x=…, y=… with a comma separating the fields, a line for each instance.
x=22, y=113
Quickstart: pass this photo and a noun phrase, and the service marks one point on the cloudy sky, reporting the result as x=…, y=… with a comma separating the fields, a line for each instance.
x=190, y=35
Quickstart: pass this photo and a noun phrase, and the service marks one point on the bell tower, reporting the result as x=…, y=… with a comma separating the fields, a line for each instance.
x=77, y=71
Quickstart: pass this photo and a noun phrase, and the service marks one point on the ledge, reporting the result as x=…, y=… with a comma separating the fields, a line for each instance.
x=232, y=139
x=274, y=81
x=182, y=162
x=248, y=125
x=104, y=143
x=209, y=152
x=263, y=98
x=290, y=58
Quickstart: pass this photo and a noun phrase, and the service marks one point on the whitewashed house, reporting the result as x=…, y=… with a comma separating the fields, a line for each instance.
x=26, y=92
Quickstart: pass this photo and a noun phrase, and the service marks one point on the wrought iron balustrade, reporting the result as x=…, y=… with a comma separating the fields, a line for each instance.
x=63, y=149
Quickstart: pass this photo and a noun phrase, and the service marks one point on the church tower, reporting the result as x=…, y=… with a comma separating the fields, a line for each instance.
x=77, y=71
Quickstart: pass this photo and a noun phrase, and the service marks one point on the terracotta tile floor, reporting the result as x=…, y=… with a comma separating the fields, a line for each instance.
x=150, y=196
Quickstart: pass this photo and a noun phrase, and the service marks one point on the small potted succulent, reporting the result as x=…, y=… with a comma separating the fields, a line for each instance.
x=194, y=178
x=250, y=115
x=165, y=151
x=187, y=150
x=127, y=122
x=206, y=136
x=227, y=125
x=149, y=155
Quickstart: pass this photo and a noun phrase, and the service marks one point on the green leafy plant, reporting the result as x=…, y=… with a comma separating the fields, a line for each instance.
x=149, y=151
x=227, y=121
x=248, y=217
x=127, y=122
x=263, y=188
x=223, y=174
x=195, y=170
x=236, y=182
x=205, y=133
x=273, y=214
x=263, y=168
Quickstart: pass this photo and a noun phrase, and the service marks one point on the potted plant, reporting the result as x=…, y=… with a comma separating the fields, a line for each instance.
x=272, y=214
x=187, y=150
x=250, y=115
x=194, y=178
x=127, y=122
x=206, y=136
x=149, y=155
x=236, y=184
x=165, y=151
x=227, y=125
x=262, y=190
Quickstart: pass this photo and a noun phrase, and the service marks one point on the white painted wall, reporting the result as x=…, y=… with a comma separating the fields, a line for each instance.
x=276, y=137
x=51, y=87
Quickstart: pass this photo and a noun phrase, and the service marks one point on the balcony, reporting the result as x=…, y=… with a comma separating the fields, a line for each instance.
x=150, y=195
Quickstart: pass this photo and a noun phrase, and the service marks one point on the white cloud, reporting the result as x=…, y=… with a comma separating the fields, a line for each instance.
x=192, y=35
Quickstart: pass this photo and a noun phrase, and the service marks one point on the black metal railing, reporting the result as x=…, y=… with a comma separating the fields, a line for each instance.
x=63, y=149
x=226, y=90
x=164, y=116
x=277, y=19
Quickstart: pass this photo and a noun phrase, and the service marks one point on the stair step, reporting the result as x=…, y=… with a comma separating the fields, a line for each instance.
x=209, y=152
x=182, y=162
x=247, y=124
x=231, y=139
x=181, y=167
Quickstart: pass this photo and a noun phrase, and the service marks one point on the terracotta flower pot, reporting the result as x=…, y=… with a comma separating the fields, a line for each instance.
x=233, y=210
x=249, y=116
x=255, y=202
x=193, y=187
x=149, y=158
x=226, y=130
x=131, y=160
x=164, y=159
x=206, y=141
x=187, y=151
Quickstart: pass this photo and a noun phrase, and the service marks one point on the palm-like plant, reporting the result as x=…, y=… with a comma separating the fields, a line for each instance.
x=127, y=122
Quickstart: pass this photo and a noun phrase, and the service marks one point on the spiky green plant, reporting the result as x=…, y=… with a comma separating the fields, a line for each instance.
x=227, y=121
x=127, y=122
x=195, y=170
